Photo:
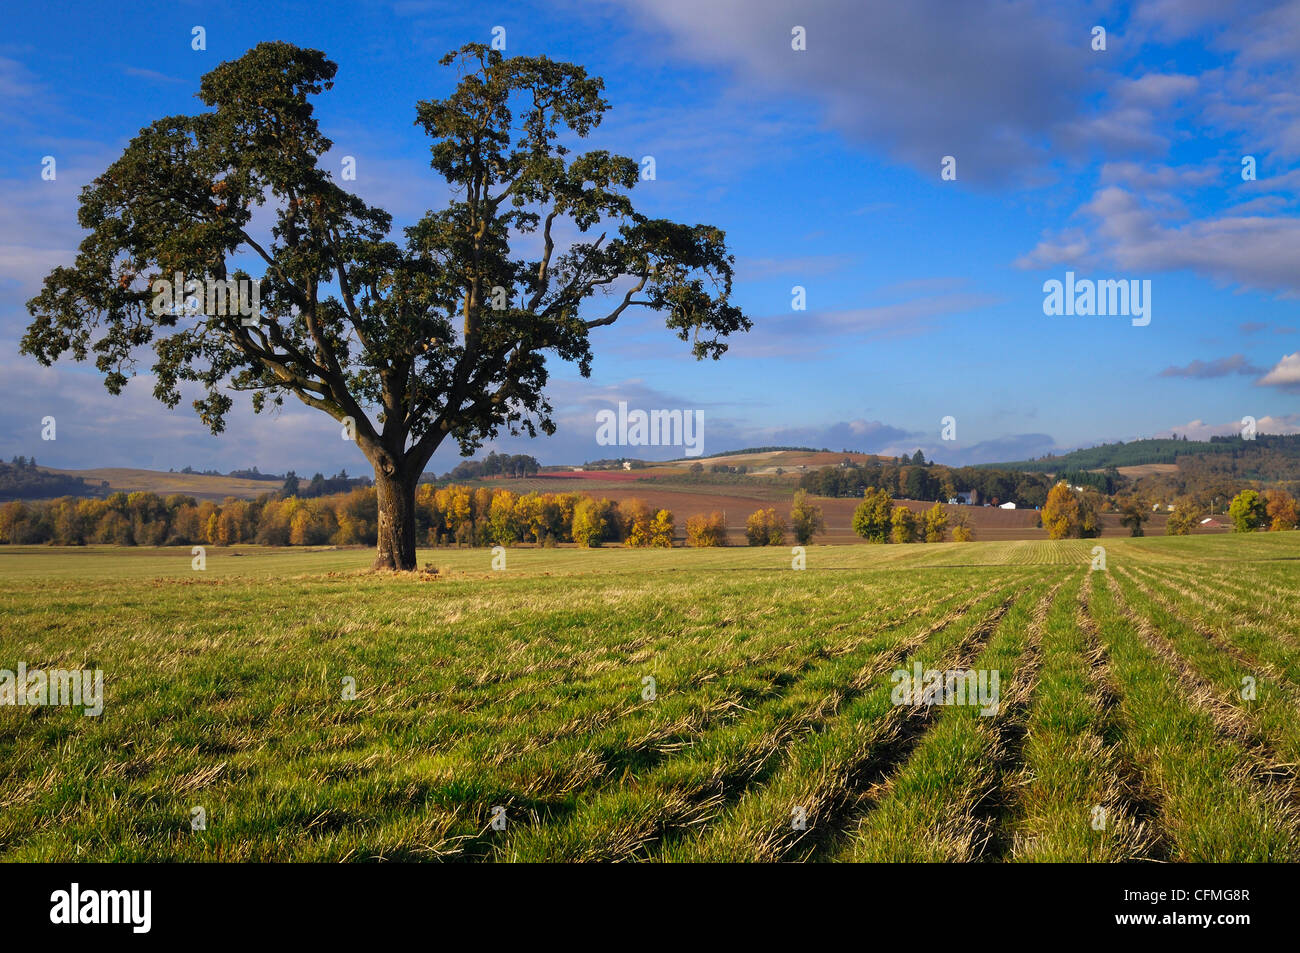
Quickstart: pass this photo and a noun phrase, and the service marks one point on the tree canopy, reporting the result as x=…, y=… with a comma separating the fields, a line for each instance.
x=443, y=332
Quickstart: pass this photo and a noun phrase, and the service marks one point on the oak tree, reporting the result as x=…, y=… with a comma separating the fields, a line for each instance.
x=441, y=332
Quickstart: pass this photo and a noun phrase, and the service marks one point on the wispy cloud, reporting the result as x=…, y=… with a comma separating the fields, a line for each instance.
x=1218, y=367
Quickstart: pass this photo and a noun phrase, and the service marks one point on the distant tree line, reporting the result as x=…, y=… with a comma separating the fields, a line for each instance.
x=321, y=485
x=251, y=473
x=494, y=464
x=879, y=519
x=450, y=515
x=21, y=479
x=929, y=482
x=1164, y=450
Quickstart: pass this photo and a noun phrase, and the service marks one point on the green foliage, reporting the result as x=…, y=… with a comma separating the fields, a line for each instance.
x=445, y=333
x=23, y=480
x=1249, y=512
x=902, y=525
x=936, y=524
x=872, y=520
x=806, y=519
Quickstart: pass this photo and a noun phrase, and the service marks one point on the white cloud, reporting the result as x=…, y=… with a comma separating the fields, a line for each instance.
x=1285, y=374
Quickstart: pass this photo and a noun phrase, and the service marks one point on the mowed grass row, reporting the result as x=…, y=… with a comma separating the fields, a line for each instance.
x=553, y=758
x=1209, y=804
x=938, y=806
x=826, y=774
x=1260, y=611
x=1069, y=798
x=686, y=790
x=1252, y=700
x=522, y=690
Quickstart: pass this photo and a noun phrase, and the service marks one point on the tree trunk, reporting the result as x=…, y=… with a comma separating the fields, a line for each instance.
x=396, y=495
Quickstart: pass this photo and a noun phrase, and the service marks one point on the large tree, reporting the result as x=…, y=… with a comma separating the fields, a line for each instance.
x=444, y=333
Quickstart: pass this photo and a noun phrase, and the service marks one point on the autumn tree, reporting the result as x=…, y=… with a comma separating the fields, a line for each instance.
x=872, y=517
x=902, y=525
x=1280, y=507
x=1060, y=513
x=662, y=529
x=1133, y=514
x=443, y=332
x=806, y=518
x=765, y=527
x=592, y=521
x=1184, y=517
x=710, y=530
x=936, y=524
x=636, y=517
x=1088, y=507
x=963, y=531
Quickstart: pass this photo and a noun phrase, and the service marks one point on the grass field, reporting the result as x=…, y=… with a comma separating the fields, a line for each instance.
x=1121, y=733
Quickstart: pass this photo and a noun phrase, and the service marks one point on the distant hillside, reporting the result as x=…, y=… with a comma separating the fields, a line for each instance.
x=769, y=459
x=202, y=486
x=22, y=479
x=753, y=450
x=242, y=484
x=1267, y=457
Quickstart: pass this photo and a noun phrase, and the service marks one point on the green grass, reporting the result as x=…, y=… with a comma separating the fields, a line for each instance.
x=522, y=690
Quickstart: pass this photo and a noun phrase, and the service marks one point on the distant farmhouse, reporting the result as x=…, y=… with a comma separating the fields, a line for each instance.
x=969, y=497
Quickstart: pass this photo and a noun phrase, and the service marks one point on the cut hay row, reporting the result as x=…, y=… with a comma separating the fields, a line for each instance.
x=938, y=805
x=544, y=772
x=1071, y=800
x=1211, y=807
x=825, y=774
x=687, y=789
x=760, y=666
x=1262, y=620
x=1212, y=678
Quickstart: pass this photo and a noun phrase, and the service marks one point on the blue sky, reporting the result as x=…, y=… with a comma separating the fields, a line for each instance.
x=924, y=296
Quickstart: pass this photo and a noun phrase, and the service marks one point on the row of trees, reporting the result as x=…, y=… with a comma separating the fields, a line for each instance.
x=495, y=464
x=456, y=514
x=1074, y=512
x=929, y=481
x=1275, y=510
x=146, y=519
x=21, y=479
x=878, y=519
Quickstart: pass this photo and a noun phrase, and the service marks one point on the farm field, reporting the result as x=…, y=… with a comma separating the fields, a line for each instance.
x=199, y=485
x=1121, y=732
